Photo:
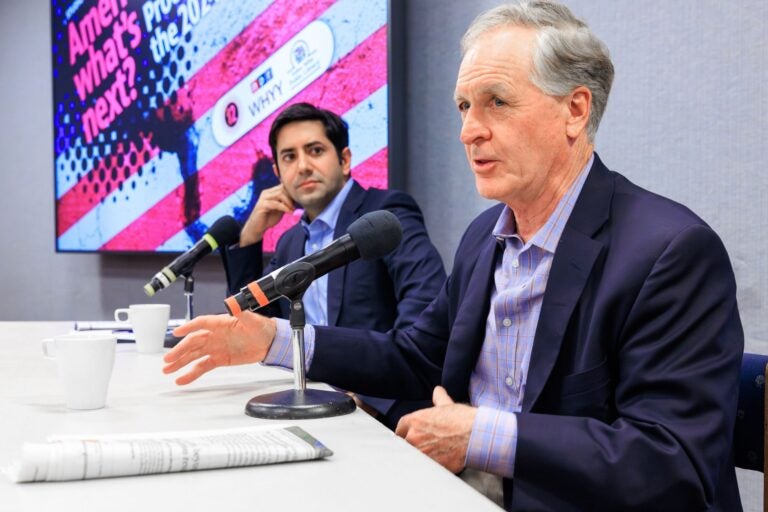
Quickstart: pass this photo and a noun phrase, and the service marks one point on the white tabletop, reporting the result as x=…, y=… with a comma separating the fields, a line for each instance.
x=371, y=469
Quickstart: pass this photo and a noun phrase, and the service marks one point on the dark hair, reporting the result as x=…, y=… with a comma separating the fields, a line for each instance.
x=336, y=129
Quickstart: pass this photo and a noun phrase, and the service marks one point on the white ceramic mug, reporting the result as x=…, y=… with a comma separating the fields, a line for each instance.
x=149, y=323
x=84, y=360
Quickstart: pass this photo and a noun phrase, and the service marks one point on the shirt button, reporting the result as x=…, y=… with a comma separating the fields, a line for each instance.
x=509, y=381
x=506, y=322
x=515, y=263
x=314, y=246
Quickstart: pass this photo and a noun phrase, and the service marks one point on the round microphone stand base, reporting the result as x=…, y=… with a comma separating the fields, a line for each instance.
x=294, y=404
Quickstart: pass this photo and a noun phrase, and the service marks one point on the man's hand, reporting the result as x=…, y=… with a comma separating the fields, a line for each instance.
x=441, y=432
x=219, y=340
x=273, y=203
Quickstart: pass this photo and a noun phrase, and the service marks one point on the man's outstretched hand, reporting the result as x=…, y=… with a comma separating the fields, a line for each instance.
x=219, y=340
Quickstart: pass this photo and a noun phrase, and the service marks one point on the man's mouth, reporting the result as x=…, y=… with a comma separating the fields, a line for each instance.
x=308, y=184
x=482, y=164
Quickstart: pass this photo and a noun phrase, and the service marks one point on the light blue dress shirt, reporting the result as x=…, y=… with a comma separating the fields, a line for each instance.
x=319, y=234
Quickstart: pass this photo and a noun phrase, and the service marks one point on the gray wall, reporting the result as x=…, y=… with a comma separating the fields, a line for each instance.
x=687, y=119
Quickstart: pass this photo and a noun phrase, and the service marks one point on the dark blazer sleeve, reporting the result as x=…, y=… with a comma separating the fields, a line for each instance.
x=389, y=292
x=402, y=363
x=408, y=363
x=415, y=266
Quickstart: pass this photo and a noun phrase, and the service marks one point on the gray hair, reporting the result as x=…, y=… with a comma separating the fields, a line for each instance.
x=567, y=53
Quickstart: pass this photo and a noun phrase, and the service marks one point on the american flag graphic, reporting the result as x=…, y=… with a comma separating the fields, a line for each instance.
x=143, y=92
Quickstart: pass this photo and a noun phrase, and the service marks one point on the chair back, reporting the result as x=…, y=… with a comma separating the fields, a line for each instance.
x=749, y=435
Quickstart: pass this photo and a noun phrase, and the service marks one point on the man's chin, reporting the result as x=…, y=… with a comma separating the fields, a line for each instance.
x=317, y=201
x=313, y=192
x=486, y=191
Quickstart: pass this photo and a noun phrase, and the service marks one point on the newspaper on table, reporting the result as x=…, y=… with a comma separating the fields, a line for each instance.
x=63, y=458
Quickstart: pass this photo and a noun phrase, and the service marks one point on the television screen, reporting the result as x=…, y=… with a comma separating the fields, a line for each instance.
x=162, y=109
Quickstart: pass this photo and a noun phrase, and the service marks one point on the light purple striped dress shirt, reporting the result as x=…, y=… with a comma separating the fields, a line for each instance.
x=497, y=384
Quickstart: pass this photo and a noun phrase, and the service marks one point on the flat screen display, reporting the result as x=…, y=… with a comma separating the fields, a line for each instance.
x=162, y=109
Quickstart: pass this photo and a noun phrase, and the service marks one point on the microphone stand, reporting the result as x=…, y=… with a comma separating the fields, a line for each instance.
x=299, y=403
x=189, y=289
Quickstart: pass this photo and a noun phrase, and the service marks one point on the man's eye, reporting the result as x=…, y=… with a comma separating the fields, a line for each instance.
x=317, y=150
x=463, y=106
x=288, y=158
x=498, y=102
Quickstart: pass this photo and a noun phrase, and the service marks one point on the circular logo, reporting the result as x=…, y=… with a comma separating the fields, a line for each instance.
x=231, y=115
x=299, y=52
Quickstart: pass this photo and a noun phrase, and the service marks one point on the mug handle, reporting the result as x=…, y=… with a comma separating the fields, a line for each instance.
x=119, y=312
x=49, y=348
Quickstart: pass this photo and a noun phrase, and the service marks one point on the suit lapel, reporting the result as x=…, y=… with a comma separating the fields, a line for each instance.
x=468, y=330
x=347, y=214
x=295, y=249
x=571, y=267
x=567, y=279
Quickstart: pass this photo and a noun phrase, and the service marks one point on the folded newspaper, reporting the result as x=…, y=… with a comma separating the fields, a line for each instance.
x=80, y=458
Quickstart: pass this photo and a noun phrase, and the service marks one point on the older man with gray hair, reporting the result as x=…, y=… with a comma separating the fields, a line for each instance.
x=585, y=351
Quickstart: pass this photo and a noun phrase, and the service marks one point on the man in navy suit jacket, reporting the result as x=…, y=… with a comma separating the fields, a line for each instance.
x=586, y=347
x=312, y=159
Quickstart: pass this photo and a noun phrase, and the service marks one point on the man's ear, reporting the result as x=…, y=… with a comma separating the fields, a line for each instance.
x=276, y=171
x=346, y=161
x=579, y=107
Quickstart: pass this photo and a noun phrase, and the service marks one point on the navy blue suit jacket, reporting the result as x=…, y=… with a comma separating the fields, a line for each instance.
x=380, y=294
x=631, y=394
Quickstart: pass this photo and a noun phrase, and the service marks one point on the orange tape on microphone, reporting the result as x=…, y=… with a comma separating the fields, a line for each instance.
x=258, y=294
x=233, y=306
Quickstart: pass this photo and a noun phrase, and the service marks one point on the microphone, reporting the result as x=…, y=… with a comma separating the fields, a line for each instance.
x=371, y=236
x=225, y=231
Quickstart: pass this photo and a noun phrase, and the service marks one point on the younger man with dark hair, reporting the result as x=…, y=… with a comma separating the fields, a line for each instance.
x=310, y=150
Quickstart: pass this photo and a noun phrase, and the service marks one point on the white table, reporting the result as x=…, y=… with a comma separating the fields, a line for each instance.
x=371, y=469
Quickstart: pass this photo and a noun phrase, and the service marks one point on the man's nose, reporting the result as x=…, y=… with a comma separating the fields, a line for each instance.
x=473, y=128
x=303, y=164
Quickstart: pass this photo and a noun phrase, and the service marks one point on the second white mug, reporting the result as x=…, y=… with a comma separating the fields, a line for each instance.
x=149, y=323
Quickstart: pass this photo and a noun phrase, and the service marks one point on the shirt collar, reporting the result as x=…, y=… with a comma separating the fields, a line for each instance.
x=330, y=214
x=549, y=234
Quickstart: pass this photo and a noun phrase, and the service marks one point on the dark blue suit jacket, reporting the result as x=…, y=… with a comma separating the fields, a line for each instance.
x=380, y=294
x=631, y=395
